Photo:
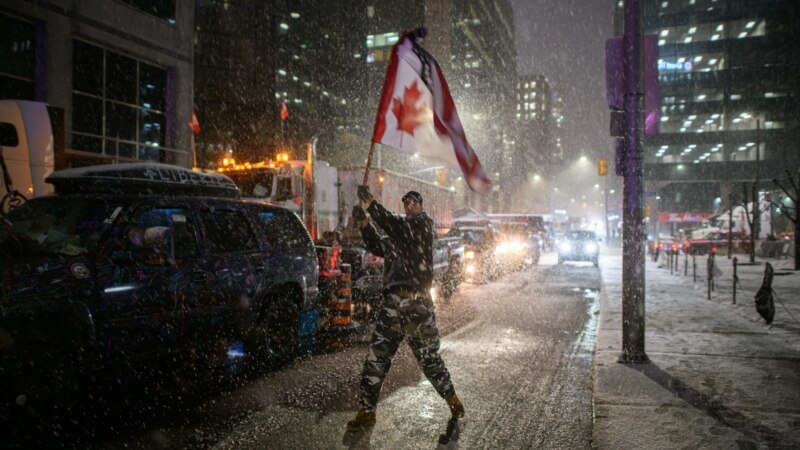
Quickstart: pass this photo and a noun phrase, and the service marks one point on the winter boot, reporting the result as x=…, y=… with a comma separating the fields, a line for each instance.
x=362, y=421
x=456, y=408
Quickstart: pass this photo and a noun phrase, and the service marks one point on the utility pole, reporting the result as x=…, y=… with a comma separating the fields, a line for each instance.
x=633, y=260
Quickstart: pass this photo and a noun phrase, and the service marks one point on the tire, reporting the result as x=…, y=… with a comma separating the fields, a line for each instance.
x=275, y=337
x=596, y=262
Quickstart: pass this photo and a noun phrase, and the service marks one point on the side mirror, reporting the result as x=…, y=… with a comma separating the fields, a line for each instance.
x=8, y=135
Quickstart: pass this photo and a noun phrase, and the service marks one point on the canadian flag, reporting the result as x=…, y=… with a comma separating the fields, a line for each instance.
x=416, y=113
x=194, y=123
x=284, y=110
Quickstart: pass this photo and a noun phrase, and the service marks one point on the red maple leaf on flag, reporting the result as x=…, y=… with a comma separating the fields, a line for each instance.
x=406, y=111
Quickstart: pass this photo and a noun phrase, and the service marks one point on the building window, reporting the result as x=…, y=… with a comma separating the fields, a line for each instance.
x=382, y=40
x=118, y=104
x=163, y=9
x=17, y=53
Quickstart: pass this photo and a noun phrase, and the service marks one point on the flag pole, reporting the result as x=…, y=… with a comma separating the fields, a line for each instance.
x=369, y=162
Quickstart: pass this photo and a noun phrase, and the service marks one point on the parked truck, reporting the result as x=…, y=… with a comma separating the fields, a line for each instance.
x=31, y=148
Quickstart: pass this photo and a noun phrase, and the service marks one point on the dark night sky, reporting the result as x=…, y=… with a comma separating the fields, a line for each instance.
x=565, y=41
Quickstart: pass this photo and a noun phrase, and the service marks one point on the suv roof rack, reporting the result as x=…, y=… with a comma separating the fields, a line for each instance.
x=142, y=179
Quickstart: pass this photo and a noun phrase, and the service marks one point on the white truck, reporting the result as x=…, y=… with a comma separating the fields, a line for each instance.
x=28, y=150
x=292, y=184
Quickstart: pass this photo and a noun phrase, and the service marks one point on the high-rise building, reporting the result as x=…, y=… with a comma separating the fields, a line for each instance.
x=235, y=80
x=121, y=72
x=729, y=95
x=251, y=55
x=538, y=153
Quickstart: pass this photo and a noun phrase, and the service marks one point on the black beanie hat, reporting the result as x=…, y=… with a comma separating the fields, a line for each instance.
x=414, y=195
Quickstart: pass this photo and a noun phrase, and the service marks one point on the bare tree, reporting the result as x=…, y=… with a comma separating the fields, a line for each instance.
x=751, y=217
x=791, y=189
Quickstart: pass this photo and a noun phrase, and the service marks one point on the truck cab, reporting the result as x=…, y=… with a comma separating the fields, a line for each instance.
x=29, y=150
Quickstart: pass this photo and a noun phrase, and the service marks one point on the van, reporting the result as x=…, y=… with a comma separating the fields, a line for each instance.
x=130, y=263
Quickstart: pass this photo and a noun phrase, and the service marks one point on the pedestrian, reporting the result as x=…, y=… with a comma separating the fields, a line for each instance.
x=407, y=310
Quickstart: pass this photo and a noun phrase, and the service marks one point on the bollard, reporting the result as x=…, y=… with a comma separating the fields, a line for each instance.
x=709, y=273
x=669, y=261
x=713, y=270
x=694, y=268
x=735, y=277
x=685, y=265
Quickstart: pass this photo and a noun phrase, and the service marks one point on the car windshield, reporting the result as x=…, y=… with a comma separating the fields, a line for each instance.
x=581, y=236
x=471, y=236
x=256, y=183
x=514, y=230
x=57, y=225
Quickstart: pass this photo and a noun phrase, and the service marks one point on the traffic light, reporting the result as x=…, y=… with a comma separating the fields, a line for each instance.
x=602, y=167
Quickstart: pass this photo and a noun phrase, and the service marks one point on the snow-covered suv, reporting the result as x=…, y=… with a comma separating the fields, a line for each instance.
x=128, y=263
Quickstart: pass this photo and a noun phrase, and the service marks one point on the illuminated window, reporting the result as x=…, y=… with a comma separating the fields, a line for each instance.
x=382, y=40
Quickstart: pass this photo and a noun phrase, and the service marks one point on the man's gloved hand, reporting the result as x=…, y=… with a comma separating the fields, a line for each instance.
x=363, y=193
x=358, y=213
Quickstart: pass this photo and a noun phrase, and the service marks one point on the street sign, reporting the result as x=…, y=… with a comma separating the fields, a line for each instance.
x=602, y=167
x=650, y=194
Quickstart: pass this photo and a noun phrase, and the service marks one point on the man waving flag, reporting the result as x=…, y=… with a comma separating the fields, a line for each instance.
x=416, y=113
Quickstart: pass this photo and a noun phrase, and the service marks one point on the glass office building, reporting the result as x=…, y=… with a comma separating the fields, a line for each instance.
x=730, y=110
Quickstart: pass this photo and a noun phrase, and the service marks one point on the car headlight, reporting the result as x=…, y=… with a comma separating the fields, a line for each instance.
x=565, y=247
x=516, y=246
x=509, y=247
x=469, y=255
x=470, y=268
x=591, y=247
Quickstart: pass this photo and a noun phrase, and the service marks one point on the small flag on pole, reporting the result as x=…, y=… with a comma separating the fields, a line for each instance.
x=194, y=123
x=416, y=113
x=284, y=110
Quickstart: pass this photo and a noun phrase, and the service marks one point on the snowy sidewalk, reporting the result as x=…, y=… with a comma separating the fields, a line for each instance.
x=718, y=377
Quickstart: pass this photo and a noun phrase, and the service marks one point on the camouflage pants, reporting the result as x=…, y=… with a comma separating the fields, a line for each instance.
x=414, y=320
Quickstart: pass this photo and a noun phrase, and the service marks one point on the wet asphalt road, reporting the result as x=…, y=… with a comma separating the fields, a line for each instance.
x=519, y=350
